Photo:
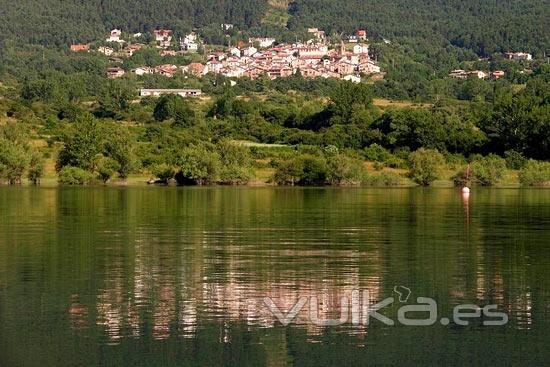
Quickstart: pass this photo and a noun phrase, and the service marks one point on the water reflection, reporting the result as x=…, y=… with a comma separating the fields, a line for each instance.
x=195, y=264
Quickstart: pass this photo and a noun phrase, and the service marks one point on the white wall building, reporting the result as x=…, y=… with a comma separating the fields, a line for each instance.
x=161, y=92
x=115, y=36
x=361, y=48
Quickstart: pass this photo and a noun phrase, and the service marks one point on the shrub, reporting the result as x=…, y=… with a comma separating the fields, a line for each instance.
x=197, y=166
x=488, y=171
x=376, y=153
x=163, y=172
x=305, y=169
x=13, y=161
x=461, y=179
x=344, y=170
x=36, y=168
x=425, y=165
x=70, y=175
x=535, y=173
x=106, y=168
x=235, y=175
x=385, y=179
x=288, y=172
x=314, y=170
x=514, y=160
x=236, y=164
x=395, y=162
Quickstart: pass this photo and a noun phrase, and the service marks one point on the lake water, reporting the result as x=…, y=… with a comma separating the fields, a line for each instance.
x=178, y=276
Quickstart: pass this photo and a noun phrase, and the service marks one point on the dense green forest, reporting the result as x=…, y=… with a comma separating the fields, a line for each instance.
x=482, y=26
x=479, y=25
x=61, y=117
x=60, y=22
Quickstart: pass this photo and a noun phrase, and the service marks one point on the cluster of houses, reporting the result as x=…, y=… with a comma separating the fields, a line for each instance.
x=479, y=74
x=518, y=56
x=311, y=59
x=261, y=56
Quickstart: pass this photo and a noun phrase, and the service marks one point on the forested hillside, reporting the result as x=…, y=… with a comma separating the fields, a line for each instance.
x=58, y=22
x=484, y=26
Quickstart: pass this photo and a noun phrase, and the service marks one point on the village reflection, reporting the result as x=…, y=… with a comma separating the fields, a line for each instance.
x=170, y=291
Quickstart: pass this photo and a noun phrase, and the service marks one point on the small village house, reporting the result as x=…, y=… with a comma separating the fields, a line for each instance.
x=162, y=92
x=114, y=73
x=518, y=56
x=361, y=48
x=361, y=34
x=115, y=36
x=497, y=74
x=105, y=50
x=163, y=37
x=80, y=48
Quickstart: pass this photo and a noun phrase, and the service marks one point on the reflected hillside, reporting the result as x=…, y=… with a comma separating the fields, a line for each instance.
x=119, y=269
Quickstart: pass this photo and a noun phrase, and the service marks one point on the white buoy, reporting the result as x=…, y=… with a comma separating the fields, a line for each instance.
x=465, y=190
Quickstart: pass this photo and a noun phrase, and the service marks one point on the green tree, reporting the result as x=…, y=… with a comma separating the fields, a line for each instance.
x=36, y=168
x=175, y=107
x=425, y=166
x=120, y=148
x=488, y=171
x=197, y=166
x=82, y=144
x=344, y=170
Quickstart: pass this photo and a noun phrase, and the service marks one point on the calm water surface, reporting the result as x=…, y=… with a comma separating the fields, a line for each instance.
x=177, y=276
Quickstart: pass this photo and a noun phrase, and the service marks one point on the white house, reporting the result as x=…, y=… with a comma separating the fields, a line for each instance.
x=249, y=51
x=115, y=36
x=353, y=78
x=163, y=37
x=113, y=73
x=143, y=70
x=161, y=92
x=518, y=56
x=361, y=48
x=107, y=51
x=263, y=42
x=235, y=51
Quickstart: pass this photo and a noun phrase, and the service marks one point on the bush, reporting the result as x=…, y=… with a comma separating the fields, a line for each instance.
x=488, y=171
x=535, y=173
x=288, y=172
x=376, y=153
x=344, y=170
x=395, y=162
x=236, y=164
x=163, y=172
x=461, y=179
x=386, y=179
x=197, y=166
x=70, y=175
x=305, y=169
x=36, y=168
x=425, y=165
x=106, y=168
x=514, y=160
x=235, y=175
x=314, y=170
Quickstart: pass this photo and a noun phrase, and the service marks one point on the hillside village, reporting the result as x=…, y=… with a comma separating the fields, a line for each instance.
x=260, y=56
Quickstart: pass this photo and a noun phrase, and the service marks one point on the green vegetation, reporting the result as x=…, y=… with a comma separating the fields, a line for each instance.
x=17, y=157
x=425, y=165
x=535, y=173
x=62, y=118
